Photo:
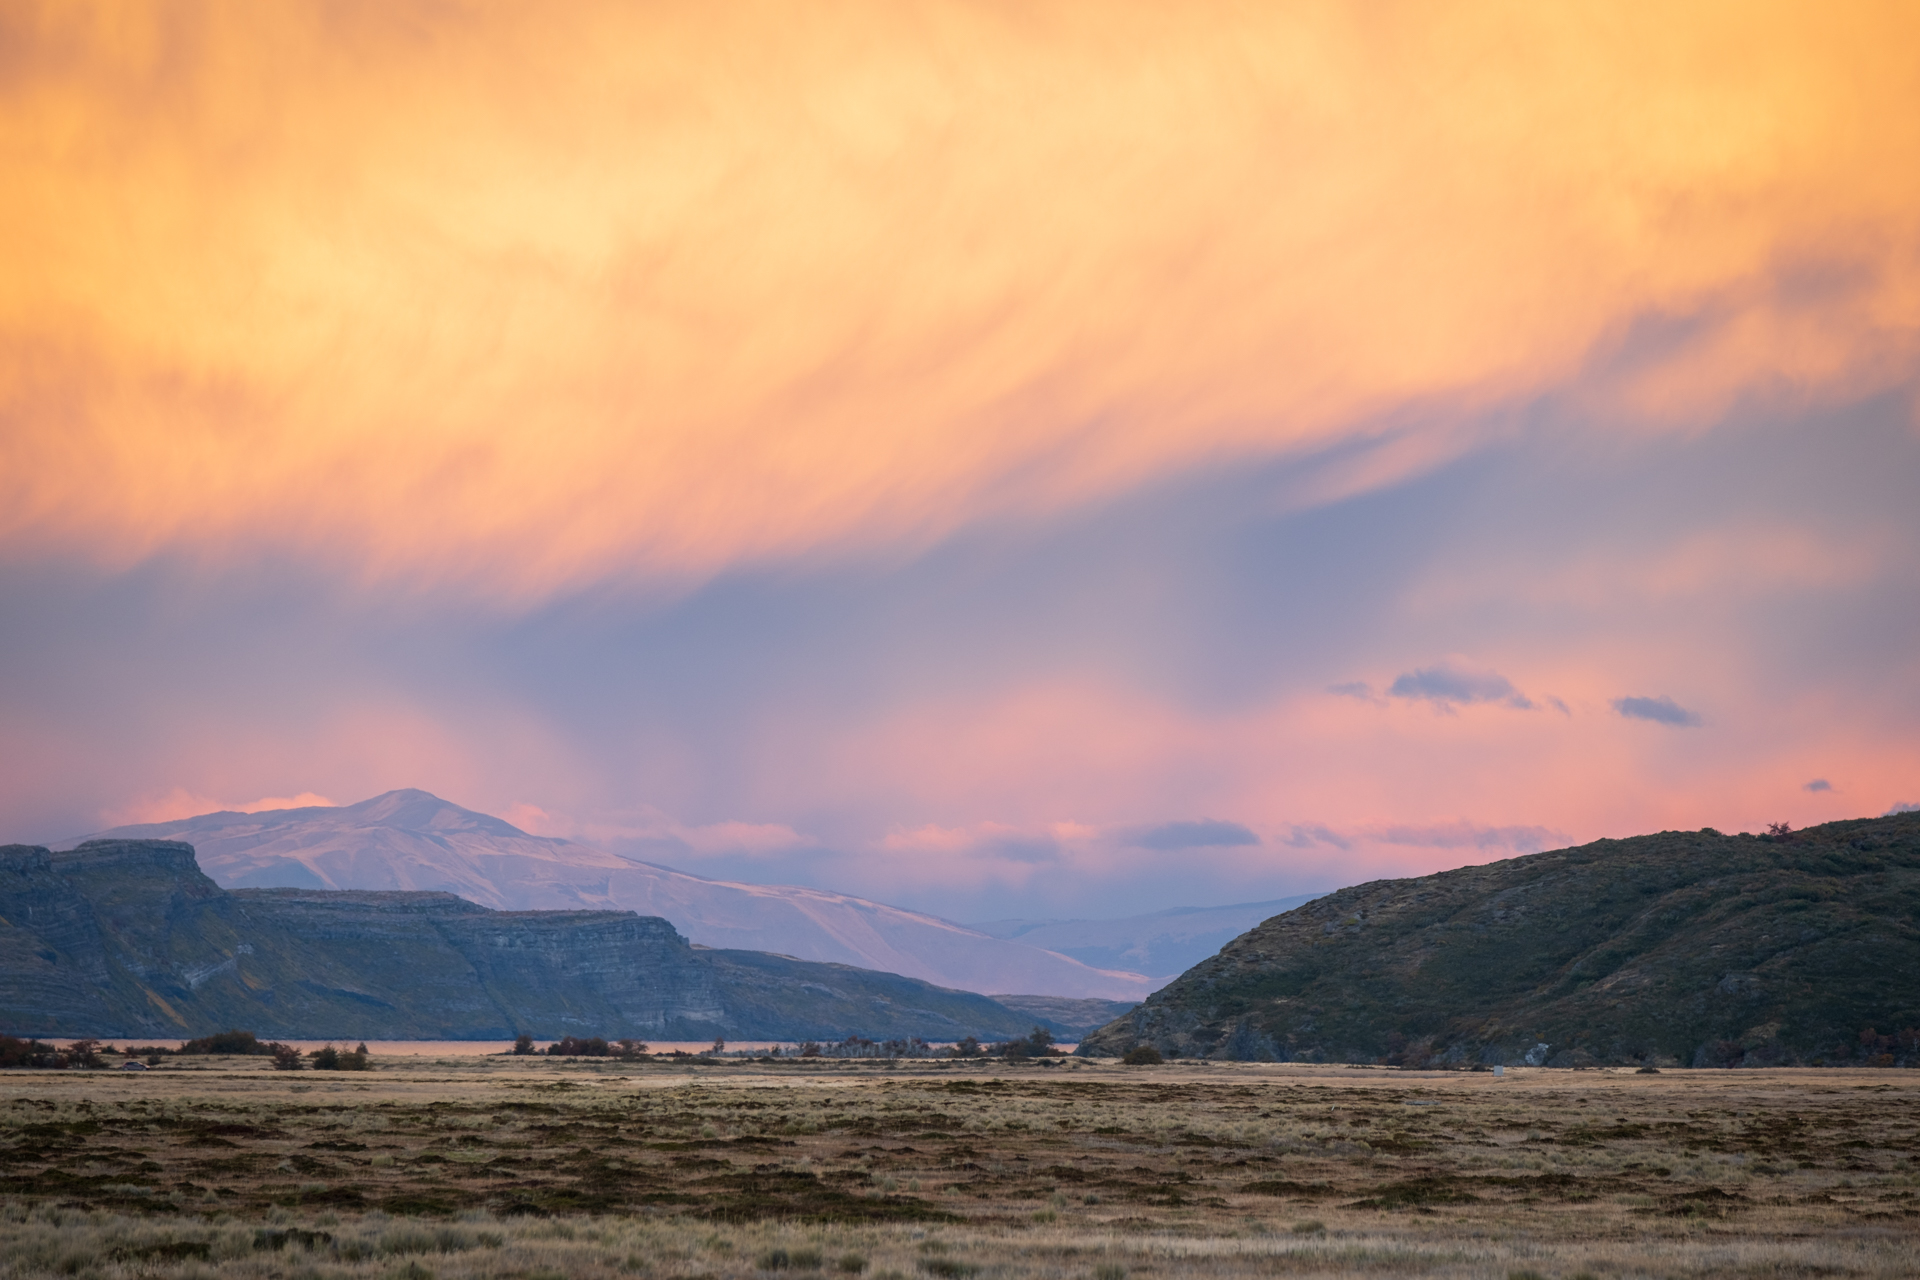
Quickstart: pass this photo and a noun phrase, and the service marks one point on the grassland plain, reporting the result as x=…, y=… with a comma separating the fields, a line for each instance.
x=525, y=1169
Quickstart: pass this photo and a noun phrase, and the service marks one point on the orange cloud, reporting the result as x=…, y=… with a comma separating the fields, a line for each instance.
x=518, y=300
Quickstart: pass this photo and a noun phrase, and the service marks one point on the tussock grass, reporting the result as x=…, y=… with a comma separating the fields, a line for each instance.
x=225, y=1171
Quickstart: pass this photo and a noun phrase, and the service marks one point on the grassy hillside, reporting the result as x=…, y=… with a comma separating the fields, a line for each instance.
x=1683, y=947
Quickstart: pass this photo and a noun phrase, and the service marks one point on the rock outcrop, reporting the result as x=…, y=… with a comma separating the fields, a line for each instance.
x=1684, y=947
x=128, y=938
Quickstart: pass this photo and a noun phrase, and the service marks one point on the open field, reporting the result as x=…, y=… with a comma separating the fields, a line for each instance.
x=533, y=1168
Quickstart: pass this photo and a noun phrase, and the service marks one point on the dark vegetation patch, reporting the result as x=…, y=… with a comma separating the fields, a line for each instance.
x=1287, y=1187
x=800, y=1195
x=1418, y=1194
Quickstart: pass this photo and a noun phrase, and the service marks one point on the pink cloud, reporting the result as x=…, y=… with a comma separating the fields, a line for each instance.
x=180, y=803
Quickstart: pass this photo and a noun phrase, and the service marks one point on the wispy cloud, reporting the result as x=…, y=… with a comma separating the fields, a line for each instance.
x=1206, y=833
x=1660, y=710
x=1818, y=784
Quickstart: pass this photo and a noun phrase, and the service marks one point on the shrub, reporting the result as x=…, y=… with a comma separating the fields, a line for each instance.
x=1143, y=1055
x=234, y=1041
x=332, y=1059
x=84, y=1053
x=29, y=1053
x=952, y=1268
x=1036, y=1044
x=791, y=1260
x=574, y=1047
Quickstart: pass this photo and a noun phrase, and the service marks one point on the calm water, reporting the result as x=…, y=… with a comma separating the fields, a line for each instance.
x=477, y=1048
x=474, y=1048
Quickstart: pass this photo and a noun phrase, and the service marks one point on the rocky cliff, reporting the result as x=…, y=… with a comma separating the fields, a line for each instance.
x=128, y=938
x=1684, y=947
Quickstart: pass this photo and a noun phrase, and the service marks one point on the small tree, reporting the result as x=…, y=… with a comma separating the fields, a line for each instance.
x=719, y=1045
x=522, y=1045
x=326, y=1058
x=286, y=1058
x=967, y=1048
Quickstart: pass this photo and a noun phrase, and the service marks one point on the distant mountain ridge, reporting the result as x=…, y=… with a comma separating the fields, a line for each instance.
x=1162, y=944
x=413, y=840
x=129, y=938
x=1692, y=948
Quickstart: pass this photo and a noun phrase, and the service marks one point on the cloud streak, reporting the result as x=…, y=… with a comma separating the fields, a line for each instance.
x=1172, y=837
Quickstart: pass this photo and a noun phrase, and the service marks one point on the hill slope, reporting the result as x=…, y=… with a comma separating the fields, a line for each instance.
x=411, y=840
x=129, y=938
x=1688, y=947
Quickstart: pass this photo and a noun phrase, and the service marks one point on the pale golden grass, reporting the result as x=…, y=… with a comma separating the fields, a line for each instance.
x=1093, y=1172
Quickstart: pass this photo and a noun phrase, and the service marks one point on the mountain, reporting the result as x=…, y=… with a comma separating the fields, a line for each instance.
x=129, y=938
x=1160, y=945
x=1684, y=947
x=1068, y=1019
x=410, y=840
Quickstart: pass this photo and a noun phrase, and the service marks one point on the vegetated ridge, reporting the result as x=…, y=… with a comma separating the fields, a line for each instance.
x=129, y=938
x=412, y=840
x=1690, y=948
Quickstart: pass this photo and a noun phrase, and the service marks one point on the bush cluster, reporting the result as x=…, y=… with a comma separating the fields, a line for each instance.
x=584, y=1047
x=33, y=1053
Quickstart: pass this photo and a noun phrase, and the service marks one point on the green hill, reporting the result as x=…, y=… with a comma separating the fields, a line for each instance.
x=1689, y=948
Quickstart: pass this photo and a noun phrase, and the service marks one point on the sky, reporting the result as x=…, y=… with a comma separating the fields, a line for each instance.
x=1042, y=459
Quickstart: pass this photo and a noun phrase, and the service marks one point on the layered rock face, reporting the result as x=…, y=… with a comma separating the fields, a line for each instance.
x=128, y=938
x=445, y=964
x=1692, y=948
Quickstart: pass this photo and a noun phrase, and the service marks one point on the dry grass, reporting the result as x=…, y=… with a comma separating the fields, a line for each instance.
x=520, y=1169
